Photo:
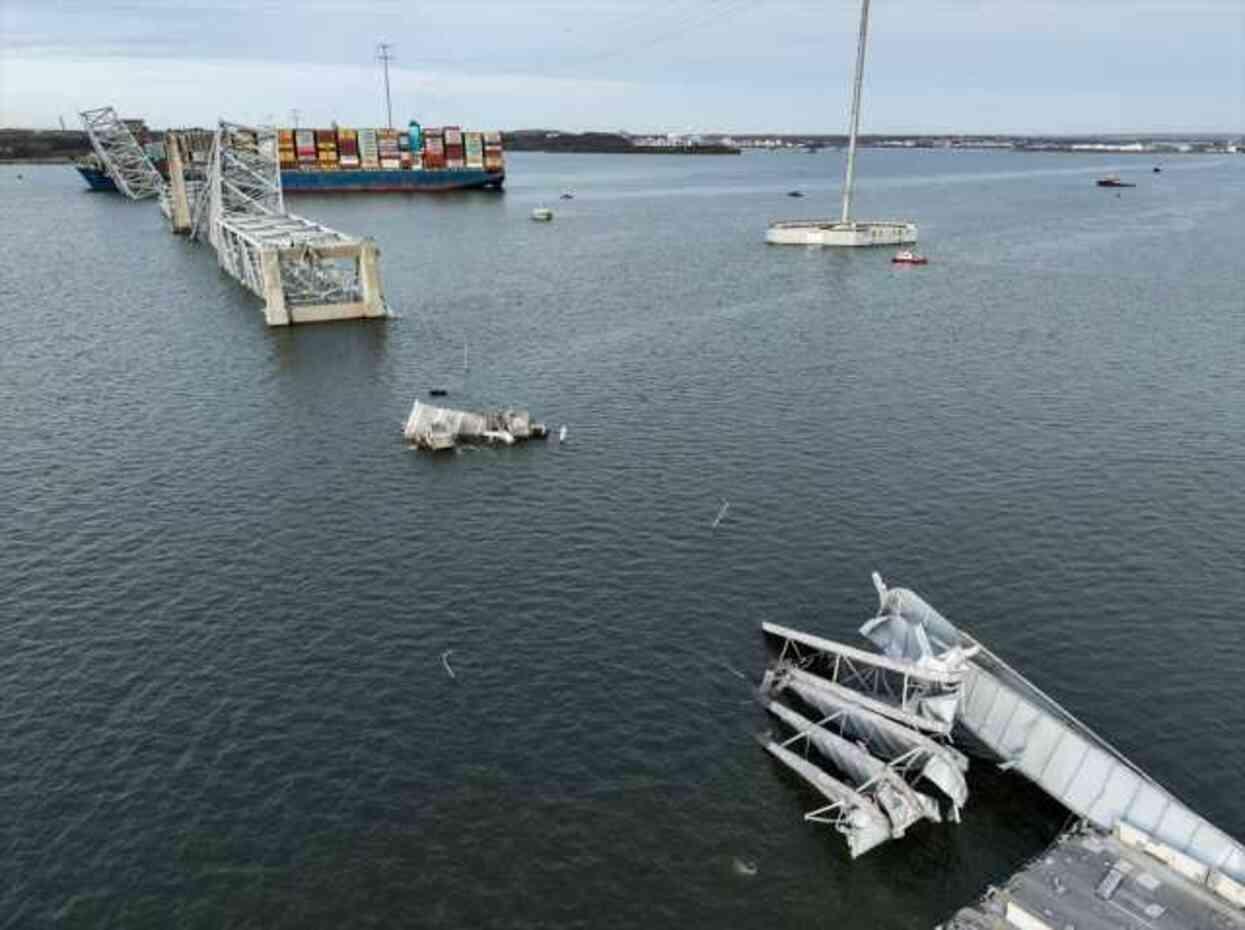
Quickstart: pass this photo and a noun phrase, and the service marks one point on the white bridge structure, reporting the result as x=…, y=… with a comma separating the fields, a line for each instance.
x=122, y=156
x=931, y=682
x=304, y=272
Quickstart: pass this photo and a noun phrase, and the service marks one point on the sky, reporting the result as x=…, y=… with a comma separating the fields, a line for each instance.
x=972, y=66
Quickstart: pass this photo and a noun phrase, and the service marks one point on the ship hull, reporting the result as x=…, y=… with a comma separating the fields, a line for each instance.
x=370, y=181
x=96, y=180
x=854, y=234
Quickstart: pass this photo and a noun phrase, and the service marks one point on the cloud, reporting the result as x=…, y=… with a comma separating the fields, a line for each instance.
x=973, y=65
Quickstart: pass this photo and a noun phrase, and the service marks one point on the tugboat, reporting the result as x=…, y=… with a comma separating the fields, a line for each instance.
x=908, y=257
x=1113, y=180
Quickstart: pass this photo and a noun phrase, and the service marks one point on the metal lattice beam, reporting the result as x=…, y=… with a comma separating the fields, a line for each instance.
x=287, y=260
x=121, y=154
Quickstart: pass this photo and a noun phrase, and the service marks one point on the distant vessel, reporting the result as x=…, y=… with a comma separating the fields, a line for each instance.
x=1113, y=180
x=845, y=231
x=542, y=214
x=908, y=257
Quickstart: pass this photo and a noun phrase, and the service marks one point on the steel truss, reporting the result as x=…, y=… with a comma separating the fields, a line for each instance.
x=908, y=687
x=286, y=259
x=121, y=154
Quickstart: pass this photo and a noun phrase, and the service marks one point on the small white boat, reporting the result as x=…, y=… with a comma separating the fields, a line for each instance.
x=542, y=215
x=908, y=257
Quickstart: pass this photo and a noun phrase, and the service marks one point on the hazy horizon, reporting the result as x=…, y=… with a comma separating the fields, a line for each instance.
x=1034, y=67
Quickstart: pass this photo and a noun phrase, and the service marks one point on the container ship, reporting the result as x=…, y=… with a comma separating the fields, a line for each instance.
x=370, y=160
x=417, y=159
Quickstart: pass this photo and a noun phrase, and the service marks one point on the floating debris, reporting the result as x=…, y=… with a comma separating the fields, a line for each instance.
x=445, y=661
x=438, y=429
x=734, y=671
x=743, y=867
x=721, y=513
x=542, y=214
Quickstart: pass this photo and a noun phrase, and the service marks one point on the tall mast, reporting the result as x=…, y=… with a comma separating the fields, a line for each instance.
x=385, y=57
x=855, y=123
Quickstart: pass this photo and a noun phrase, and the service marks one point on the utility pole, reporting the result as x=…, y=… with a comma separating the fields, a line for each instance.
x=294, y=115
x=385, y=56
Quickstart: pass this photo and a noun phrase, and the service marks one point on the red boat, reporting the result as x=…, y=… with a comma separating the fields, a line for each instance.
x=908, y=257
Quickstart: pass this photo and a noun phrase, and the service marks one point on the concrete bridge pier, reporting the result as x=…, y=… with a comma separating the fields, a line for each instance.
x=178, y=201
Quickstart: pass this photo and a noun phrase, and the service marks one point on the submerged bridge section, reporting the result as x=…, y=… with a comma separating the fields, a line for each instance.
x=1033, y=734
x=303, y=271
x=1137, y=857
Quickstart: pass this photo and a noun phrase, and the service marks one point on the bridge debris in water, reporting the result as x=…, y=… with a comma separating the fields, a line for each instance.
x=881, y=723
x=439, y=429
x=304, y=272
x=123, y=158
x=1137, y=857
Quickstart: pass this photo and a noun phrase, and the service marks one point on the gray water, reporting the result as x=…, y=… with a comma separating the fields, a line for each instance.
x=226, y=585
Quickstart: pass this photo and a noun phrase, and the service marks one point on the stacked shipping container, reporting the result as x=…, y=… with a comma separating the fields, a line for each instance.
x=387, y=143
x=473, y=147
x=286, y=153
x=493, y=158
x=348, y=148
x=326, y=149
x=369, y=156
x=336, y=149
x=454, y=156
x=305, y=146
x=434, y=149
